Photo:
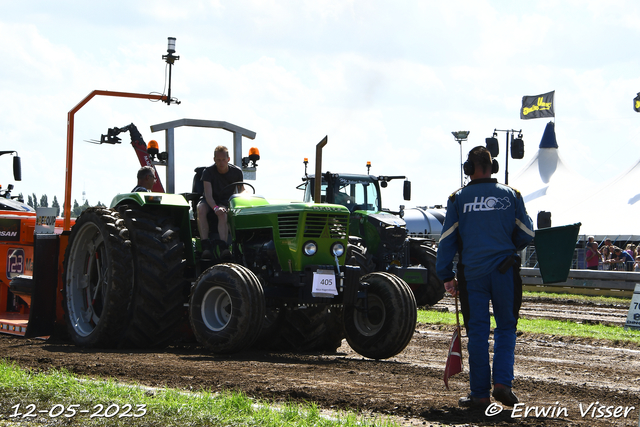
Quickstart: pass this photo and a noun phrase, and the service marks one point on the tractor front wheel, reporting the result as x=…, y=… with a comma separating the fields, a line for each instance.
x=227, y=308
x=381, y=324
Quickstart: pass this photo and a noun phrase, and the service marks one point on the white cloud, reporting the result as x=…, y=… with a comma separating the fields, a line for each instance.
x=386, y=84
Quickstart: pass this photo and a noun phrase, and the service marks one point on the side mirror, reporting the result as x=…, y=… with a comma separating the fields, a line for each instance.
x=17, y=169
x=406, y=190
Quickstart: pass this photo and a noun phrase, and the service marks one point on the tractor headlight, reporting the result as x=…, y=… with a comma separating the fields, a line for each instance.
x=153, y=198
x=337, y=249
x=310, y=248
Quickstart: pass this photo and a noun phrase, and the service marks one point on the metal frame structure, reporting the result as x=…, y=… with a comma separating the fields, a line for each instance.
x=168, y=128
x=70, y=127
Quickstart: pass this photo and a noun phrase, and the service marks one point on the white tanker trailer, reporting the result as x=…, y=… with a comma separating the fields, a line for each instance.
x=423, y=221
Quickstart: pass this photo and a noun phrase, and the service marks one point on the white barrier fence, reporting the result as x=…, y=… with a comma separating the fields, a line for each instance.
x=590, y=282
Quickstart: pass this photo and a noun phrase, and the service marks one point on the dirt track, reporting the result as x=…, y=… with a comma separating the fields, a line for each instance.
x=551, y=372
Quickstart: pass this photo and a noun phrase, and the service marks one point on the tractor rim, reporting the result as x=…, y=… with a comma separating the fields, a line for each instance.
x=371, y=322
x=87, y=283
x=216, y=308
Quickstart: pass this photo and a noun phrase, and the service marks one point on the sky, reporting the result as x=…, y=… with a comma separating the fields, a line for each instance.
x=386, y=82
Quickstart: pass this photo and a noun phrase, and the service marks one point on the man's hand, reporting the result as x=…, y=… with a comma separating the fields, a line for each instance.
x=452, y=287
x=220, y=210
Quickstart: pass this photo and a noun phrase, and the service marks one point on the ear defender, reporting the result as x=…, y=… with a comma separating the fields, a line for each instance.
x=469, y=168
x=494, y=166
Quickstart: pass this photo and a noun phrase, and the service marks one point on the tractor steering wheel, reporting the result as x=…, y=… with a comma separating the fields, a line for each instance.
x=240, y=183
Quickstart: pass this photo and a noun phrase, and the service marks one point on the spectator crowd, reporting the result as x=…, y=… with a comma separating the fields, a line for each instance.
x=611, y=257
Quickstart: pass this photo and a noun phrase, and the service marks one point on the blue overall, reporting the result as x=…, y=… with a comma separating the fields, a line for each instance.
x=486, y=223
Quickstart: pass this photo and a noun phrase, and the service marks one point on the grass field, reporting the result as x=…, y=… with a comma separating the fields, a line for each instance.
x=553, y=327
x=58, y=398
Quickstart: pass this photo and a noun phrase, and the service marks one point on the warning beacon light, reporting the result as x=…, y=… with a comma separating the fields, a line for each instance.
x=171, y=45
x=254, y=156
x=152, y=149
x=306, y=162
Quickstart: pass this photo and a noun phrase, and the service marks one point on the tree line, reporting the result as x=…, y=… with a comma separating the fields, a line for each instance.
x=43, y=202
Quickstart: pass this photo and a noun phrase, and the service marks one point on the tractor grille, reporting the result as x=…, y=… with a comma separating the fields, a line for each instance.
x=392, y=237
x=336, y=225
x=288, y=225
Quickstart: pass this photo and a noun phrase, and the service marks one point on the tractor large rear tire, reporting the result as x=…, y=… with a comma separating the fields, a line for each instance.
x=97, y=279
x=383, y=326
x=227, y=308
x=309, y=329
x=431, y=292
x=158, y=301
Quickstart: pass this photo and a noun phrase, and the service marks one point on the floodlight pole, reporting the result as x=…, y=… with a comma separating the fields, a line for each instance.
x=459, y=137
x=461, y=174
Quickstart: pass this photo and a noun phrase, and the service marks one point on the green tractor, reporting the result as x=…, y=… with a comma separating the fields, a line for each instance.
x=378, y=237
x=133, y=275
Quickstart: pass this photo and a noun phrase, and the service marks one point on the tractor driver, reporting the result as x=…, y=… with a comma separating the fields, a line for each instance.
x=146, y=179
x=342, y=198
x=217, y=180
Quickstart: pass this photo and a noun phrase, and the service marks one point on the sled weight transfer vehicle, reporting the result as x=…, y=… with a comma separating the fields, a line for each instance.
x=18, y=222
x=378, y=237
x=133, y=274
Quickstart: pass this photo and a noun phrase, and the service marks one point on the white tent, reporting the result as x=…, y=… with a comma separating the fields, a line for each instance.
x=610, y=210
x=615, y=206
x=547, y=184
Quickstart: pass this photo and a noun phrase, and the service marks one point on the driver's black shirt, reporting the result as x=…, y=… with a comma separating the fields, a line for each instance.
x=219, y=181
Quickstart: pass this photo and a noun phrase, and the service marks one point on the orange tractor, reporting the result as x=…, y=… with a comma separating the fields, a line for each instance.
x=18, y=223
x=30, y=292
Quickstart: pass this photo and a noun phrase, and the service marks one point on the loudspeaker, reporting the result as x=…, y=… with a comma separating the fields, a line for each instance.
x=492, y=146
x=544, y=219
x=517, y=149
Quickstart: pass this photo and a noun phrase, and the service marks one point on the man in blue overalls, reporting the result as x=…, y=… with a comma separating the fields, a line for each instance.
x=486, y=224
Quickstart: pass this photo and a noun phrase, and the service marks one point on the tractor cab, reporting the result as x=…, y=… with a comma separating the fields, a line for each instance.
x=355, y=192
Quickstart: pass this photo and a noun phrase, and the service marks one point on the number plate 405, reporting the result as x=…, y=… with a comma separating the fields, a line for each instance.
x=324, y=284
